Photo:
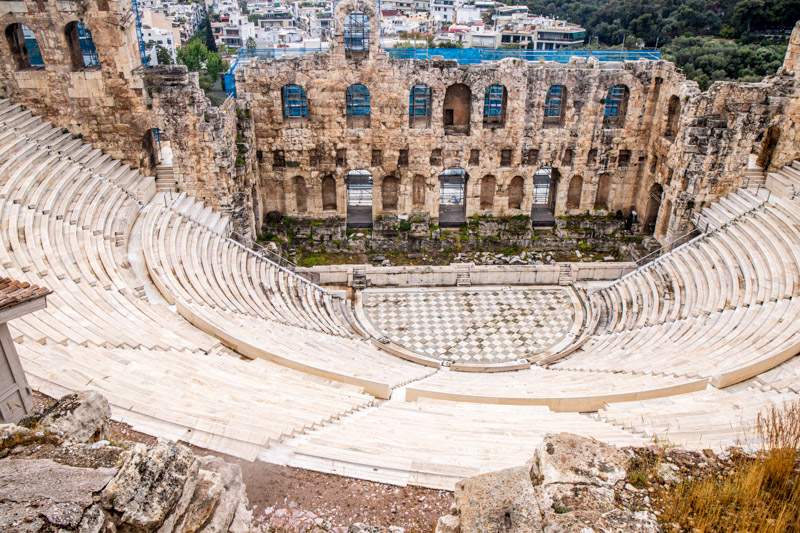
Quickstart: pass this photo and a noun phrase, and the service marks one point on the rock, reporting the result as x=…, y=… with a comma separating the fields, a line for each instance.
x=448, y=524
x=498, y=501
x=79, y=417
x=568, y=458
x=38, y=492
x=578, y=254
x=149, y=484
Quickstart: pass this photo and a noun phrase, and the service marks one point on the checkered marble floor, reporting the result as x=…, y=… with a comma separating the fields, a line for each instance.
x=480, y=326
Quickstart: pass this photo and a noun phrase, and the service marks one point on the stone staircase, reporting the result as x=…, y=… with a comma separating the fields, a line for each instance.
x=785, y=182
x=564, y=274
x=463, y=276
x=359, y=277
x=166, y=178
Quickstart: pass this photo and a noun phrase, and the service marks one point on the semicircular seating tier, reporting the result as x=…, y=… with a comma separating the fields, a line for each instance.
x=151, y=303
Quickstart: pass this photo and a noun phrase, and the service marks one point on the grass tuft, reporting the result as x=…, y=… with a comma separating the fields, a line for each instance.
x=760, y=494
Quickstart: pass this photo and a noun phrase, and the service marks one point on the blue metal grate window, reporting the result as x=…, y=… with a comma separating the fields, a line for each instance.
x=34, y=53
x=419, y=101
x=88, y=49
x=553, y=102
x=357, y=100
x=294, y=101
x=614, y=101
x=356, y=34
x=493, y=101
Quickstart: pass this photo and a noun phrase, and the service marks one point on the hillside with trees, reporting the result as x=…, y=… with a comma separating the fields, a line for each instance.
x=710, y=39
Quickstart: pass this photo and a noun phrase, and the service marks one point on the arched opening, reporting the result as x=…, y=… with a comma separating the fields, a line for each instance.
x=516, y=191
x=295, y=105
x=488, y=186
x=673, y=118
x=555, y=104
x=359, y=198
x=452, y=197
x=390, y=191
x=24, y=47
x=419, y=106
x=574, y=192
x=545, y=190
x=494, y=106
x=82, y=51
x=300, y=194
x=653, y=205
x=616, y=107
x=768, y=146
x=601, y=198
x=418, y=191
x=356, y=35
x=358, y=106
x=328, y=193
x=457, y=109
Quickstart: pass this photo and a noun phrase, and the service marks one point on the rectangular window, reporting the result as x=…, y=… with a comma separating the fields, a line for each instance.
x=552, y=105
x=505, y=157
x=278, y=159
x=474, y=157
x=436, y=157
x=624, y=158
x=402, y=158
x=530, y=157
x=493, y=104
x=294, y=102
x=315, y=157
x=377, y=158
x=341, y=157
x=613, y=101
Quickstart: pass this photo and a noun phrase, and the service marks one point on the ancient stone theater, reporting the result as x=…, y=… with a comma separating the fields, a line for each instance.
x=139, y=204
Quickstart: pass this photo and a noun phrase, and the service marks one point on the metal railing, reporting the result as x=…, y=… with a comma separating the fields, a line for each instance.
x=276, y=258
x=709, y=229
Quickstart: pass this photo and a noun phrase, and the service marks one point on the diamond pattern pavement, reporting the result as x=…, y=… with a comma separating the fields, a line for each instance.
x=476, y=326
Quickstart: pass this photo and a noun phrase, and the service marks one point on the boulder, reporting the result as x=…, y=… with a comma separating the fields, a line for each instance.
x=40, y=495
x=570, y=485
x=448, y=524
x=568, y=458
x=149, y=485
x=79, y=417
x=498, y=501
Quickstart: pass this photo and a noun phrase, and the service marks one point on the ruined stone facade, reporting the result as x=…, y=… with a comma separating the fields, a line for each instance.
x=670, y=149
x=663, y=149
x=102, y=103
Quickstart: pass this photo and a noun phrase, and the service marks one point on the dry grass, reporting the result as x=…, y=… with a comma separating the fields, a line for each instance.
x=760, y=494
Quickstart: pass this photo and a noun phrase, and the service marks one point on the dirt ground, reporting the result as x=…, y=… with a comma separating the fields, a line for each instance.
x=339, y=500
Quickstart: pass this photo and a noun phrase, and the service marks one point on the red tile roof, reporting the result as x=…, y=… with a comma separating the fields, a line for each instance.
x=13, y=292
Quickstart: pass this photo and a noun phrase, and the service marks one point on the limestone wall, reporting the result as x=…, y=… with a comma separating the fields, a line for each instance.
x=676, y=148
x=103, y=104
x=445, y=276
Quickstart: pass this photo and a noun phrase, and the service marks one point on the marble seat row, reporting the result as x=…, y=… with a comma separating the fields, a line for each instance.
x=560, y=390
x=435, y=443
x=245, y=406
x=196, y=265
x=750, y=259
x=709, y=419
x=726, y=347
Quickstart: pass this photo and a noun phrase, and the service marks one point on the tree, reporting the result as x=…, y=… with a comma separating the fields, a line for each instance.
x=211, y=43
x=193, y=54
x=215, y=65
x=163, y=56
x=251, y=43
